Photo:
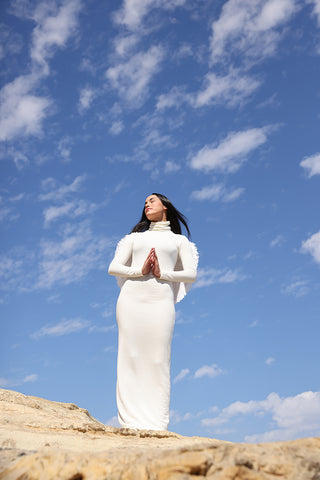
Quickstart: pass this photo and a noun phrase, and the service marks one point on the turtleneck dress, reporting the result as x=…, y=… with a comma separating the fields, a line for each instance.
x=146, y=316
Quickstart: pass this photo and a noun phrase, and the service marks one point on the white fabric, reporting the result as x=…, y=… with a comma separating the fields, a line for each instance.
x=145, y=316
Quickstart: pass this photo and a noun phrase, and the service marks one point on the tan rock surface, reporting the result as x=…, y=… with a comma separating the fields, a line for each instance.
x=42, y=440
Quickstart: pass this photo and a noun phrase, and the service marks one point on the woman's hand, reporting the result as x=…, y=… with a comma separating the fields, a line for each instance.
x=151, y=263
x=155, y=264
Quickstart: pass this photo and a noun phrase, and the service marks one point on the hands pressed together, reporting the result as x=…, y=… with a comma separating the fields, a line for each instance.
x=151, y=264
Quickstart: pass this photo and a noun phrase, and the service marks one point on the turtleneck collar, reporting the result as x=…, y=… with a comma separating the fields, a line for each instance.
x=159, y=226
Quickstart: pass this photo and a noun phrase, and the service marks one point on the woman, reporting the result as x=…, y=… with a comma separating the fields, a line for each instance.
x=155, y=266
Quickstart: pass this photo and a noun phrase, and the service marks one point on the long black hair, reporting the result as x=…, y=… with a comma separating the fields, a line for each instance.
x=173, y=215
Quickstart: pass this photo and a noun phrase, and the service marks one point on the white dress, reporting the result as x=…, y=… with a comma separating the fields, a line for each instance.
x=145, y=317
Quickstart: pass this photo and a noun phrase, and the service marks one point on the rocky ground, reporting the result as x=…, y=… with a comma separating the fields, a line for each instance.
x=42, y=440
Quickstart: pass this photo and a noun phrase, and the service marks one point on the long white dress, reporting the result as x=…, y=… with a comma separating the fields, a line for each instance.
x=145, y=317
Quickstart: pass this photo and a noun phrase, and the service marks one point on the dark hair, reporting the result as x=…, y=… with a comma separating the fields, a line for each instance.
x=173, y=215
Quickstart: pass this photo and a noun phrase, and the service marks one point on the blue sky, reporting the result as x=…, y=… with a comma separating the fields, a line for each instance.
x=217, y=106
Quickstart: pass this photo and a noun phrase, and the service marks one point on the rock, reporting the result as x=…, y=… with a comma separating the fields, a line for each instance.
x=42, y=440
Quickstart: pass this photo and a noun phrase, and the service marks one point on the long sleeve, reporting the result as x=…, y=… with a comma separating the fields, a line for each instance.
x=188, y=273
x=119, y=265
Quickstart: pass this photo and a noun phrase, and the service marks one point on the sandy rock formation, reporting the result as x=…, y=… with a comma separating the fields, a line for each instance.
x=41, y=440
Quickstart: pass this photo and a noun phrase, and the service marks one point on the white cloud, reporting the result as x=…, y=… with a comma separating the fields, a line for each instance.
x=211, y=276
x=312, y=246
x=64, y=327
x=311, y=164
x=250, y=28
x=71, y=258
x=209, y=371
x=176, y=417
x=70, y=209
x=123, y=45
x=316, y=8
x=21, y=112
x=217, y=192
x=58, y=193
x=176, y=97
x=87, y=95
x=270, y=361
x=5, y=213
x=230, y=153
x=116, y=127
x=30, y=378
x=110, y=349
x=10, y=42
x=15, y=269
x=9, y=382
x=294, y=416
x=184, y=372
x=66, y=259
x=231, y=89
x=132, y=78
x=64, y=148
x=298, y=288
x=277, y=241
x=53, y=29
x=133, y=12
x=171, y=167
x=103, y=329
x=155, y=138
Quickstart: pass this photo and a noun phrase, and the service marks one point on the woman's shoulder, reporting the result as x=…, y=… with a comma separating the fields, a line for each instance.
x=181, y=238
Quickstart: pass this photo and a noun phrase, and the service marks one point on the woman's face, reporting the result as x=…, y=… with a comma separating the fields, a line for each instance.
x=154, y=209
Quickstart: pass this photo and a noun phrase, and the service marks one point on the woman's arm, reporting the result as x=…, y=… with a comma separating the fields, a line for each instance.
x=123, y=253
x=188, y=273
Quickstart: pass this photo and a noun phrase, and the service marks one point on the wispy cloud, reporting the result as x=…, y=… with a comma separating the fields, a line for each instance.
x=171, y=167
x=132, y=78
x=54, y=26
x=211, y=276
x=132, y=13
x=65, y=148
x=311, y=165
x=293, y=416
x=231, y=152
x=16, y=269
x=298, y=288
x=60, y=192
x=312, y=246
x=216, y=192
x=230, y=89
x=250, y=29
x=70, y=209
x=22, y=110
x=72, y=257
x=116, y=127
x=10, y=382
x=182, y=374
x=270, y=361
x=316, y=8
x=176, y=417
x=102, y=329
x=277, y=241
x=69, y=258
x=11, y=42
x=210, y=371
x=86, y=97
x=64, y=327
